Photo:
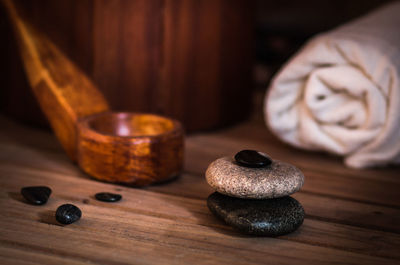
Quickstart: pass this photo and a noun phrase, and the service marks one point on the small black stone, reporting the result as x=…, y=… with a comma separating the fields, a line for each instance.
x=37, y=195
x=68, y=213
x=108, y=197
x=271, y=217
x=252, y=158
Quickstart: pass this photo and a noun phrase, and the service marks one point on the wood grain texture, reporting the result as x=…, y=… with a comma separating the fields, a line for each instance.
x=204, y=62
x=170, y=223
x=190, y=60
x=64, y=93
x=128, y=148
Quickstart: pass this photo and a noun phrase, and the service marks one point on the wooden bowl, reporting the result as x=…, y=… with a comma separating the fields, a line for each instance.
x=130, y=148
x=127, y=148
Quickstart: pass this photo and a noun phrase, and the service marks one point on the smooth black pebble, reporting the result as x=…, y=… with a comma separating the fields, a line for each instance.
x=68, y=213
x=252, y=158
x=272, y=217
x=107, y=197
x=37, y=195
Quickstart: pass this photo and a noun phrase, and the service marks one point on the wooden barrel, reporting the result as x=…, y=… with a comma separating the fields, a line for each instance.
x=190, y=60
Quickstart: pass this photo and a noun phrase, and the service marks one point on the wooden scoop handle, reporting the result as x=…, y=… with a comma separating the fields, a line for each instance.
x=64, y=93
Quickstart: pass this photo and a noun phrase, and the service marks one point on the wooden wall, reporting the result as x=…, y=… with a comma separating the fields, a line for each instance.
x=189, y=59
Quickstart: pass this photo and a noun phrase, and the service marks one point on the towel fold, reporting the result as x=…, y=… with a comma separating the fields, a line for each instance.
x=341, y=93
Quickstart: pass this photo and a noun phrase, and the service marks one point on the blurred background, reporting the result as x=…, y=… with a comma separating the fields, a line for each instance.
x=199, y=61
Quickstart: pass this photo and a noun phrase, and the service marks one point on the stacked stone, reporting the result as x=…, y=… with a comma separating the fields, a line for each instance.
x=252, y=193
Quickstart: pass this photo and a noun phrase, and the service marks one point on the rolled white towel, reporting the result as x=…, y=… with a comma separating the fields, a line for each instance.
x=341, y=92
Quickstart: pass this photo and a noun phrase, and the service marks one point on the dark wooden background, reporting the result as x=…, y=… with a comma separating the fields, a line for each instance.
x=191, y=60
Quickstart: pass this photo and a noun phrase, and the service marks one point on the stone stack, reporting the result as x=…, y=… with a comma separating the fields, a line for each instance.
x=252, y=193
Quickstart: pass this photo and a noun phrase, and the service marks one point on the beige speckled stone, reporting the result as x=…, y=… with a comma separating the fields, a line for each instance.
x=277, y=180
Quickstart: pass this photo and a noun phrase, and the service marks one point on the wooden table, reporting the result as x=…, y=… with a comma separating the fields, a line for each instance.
x=352, y=216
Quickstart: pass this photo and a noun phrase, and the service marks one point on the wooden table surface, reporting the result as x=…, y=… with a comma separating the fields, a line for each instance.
x=352, y=216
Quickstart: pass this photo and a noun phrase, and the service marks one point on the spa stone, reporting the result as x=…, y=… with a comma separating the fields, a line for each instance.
x=272, y=217
x=108, y=197
x=36, y=195
x=277, y=180
x=68, y=214
x=252, y=158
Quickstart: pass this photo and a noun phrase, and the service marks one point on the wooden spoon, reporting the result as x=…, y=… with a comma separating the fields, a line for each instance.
x=120, y=147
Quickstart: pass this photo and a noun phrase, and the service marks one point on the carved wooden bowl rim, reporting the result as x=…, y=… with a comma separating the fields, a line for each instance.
x=86, y=126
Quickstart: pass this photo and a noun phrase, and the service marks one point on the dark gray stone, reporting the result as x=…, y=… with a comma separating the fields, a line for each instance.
x=252, y=158
x=272, y=217
x=68, y=214
x=108, y=197
x=36, y=195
